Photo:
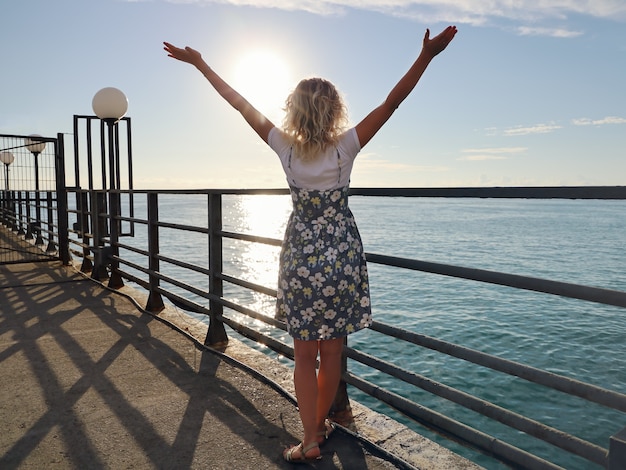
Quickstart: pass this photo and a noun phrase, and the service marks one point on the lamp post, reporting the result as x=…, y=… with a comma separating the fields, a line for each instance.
x=7, y=158
x=36, y=146
x=110, y=105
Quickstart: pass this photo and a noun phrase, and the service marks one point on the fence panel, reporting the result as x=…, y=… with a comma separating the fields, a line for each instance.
x=28, y=200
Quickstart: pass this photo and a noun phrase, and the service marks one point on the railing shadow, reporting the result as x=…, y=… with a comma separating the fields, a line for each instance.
x=96, y=378
x=16, y=249
x=206, y=393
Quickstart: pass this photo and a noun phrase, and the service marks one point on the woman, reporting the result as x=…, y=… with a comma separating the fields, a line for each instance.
x=323, y=289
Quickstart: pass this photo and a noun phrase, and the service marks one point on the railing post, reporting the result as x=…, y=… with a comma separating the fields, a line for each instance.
x=342, y=403
x=617, y=451
x=99, y=230
x=82, y=224
x=20, y=214
x=155, y=301
x=3, y=207
x=37, y=226
x=61, y=193
x=7, y=210
x=115, y=281
x=51, y=245
x=14, y=226
x=29, y=224
x=217, y=333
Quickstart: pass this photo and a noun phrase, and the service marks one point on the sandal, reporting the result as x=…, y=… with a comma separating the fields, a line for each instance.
x=288, y=453
x=329, y=428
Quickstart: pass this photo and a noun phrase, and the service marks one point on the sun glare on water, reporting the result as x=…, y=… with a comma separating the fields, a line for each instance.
x=263, y=216
x=264, y=79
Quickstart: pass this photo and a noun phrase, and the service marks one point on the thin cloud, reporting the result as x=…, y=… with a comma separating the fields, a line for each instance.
x=318, y=7
x=474, y=12
x=551, y=127
x=599, y=122
x=484, y=154
x=538, y=129
x=552, y=32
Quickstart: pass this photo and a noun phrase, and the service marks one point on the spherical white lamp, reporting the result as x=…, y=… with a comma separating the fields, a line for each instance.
x=6, y=158
x=110, y=104
x=34, y=144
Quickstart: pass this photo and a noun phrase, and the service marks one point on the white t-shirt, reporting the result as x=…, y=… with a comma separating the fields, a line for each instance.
x=329, y=171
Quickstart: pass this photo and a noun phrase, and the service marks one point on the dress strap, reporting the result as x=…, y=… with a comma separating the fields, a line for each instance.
x=338, y=165
x=293, y=181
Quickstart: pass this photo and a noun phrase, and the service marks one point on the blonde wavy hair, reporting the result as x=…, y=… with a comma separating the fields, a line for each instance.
x=315, y=117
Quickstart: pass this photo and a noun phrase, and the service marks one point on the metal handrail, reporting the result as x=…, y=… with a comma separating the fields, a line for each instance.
x=547, y=286
x=454, y=430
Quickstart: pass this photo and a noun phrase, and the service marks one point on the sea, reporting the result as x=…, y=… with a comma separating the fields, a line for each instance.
x=573, y=241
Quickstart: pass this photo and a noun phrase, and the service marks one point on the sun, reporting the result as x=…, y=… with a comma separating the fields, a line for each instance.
x=264, y=79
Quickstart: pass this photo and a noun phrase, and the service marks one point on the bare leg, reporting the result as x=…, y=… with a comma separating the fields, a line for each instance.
x=328, y=378
x=305, y=382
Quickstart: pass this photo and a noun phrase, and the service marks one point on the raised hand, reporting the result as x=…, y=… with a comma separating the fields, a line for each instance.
x=437, y=44
x=189, y=55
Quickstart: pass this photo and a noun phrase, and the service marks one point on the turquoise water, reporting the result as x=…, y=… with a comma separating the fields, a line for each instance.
x=573, y=241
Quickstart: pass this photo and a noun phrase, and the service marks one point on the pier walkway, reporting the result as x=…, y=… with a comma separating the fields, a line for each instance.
x=89, y=380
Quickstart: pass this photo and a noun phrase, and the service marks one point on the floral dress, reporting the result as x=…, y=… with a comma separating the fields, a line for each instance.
x=323, y=288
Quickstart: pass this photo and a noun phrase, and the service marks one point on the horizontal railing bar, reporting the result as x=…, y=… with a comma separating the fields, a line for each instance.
x=182, y=285
x=78, y=253
x=252, y=314
x=207, y=191
x=248, y=285
x=201, y=309
x=514, y=192
x=226, y=303
x=273, y=344
x=130, y=264
x=451, y=428
x=168, y=279
x=134, y=220
x=520, y=192
x=51, y=140
x=80, y=244
x=82, y=234
x=564, y=384
x=133, y=249
x=163, y=277
x=251, y=238
x=135, y=279
x=183, y=302
x=176, y=299
x=187, y=228
x=509, y=418
x=183, y=264
x=574, y=291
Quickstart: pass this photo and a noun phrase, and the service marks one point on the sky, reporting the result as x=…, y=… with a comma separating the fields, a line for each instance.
x=529, y=93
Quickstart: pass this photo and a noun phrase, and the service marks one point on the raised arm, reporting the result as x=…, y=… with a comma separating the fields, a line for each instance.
x=255, y=118
x=372, y=123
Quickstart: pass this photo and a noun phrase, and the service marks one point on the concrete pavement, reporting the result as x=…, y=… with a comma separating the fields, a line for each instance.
x=88, y=380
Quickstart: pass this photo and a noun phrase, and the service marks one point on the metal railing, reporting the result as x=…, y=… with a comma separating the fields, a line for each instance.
x=109, y=257
x=31, y=197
